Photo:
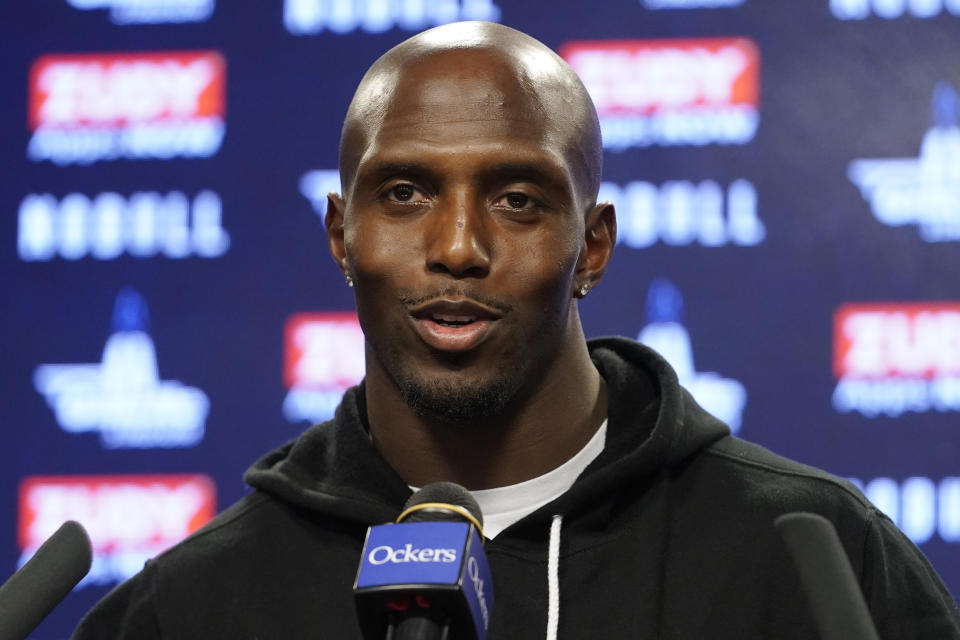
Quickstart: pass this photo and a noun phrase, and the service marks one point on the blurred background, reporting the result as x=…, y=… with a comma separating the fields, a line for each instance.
x=787, y=183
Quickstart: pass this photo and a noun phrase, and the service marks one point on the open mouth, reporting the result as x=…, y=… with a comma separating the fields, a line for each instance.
x=452, y=321
x=453, y=324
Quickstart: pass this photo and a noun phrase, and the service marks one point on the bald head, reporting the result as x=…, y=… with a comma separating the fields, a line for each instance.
x=491, y=72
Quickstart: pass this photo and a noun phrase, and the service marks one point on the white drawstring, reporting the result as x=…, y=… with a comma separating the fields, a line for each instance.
x=553, y=579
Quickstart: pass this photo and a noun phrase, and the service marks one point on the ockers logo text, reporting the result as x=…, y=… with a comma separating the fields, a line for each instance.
x=473, y=570
x=384, y=553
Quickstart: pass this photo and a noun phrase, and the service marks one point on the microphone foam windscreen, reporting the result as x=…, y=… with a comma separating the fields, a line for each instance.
x=445, y=493
x=831, y=587
x=46, y=579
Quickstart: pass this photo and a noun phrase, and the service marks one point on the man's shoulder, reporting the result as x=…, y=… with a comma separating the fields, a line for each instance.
x=756, y=478
x=260, y=556
x=759, y=462
x=237, y=525
x=256, y=528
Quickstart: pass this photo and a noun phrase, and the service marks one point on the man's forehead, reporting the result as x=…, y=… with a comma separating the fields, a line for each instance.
x=471, y=133
x=460, y=105
x=494, y=77
x=479, y=151
x=465, y=85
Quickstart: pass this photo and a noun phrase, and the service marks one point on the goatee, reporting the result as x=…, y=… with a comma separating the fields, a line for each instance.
x=455, y=403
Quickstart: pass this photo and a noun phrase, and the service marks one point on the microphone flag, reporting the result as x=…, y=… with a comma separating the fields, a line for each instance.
x=438, y=566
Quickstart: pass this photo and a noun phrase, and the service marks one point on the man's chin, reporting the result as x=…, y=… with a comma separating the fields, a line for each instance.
x=456, y=402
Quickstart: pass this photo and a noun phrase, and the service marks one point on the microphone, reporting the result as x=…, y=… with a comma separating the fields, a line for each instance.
x=39, y=585
x=836, y=601
x=426, y=577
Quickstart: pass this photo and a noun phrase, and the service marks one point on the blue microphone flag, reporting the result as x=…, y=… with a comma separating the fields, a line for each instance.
x=441, y=560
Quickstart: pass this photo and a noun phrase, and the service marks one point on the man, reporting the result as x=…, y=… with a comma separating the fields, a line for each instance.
x=470, y=162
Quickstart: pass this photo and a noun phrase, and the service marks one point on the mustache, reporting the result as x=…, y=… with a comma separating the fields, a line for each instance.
x=410, y=299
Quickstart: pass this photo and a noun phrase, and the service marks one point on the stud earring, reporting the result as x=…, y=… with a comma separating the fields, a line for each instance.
x=583, y=290
x=346, y=272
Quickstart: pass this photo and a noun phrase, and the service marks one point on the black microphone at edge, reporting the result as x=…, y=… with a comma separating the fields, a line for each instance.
x=835, y=599
x=30, y=594
x=401, y=609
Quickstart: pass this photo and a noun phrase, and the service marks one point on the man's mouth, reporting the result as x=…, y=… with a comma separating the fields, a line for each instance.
x=448, y=324
x=452, y=321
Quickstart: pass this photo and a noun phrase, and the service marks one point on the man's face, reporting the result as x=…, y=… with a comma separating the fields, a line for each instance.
x=462, y=231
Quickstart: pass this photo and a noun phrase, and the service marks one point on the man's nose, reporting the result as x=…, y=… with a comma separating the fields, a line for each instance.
x=458, y=240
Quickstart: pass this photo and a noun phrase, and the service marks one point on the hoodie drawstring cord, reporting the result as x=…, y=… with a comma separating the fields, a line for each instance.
x=553, y=578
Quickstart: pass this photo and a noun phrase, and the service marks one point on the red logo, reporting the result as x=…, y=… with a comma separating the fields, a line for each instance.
x=646, y=76
x=323, y=351
x=89, y=107
x=83, y=89
x=906, y=340
x=670, y=92
x=121, y=513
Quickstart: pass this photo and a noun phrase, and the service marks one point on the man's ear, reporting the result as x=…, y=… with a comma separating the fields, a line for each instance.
x=600, y=235
x=333, y=221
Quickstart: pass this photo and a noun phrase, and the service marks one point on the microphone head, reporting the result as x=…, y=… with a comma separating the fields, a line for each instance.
x=428, y=568
x=442, y=501
x=832, y=589
x=76, y=550
x=32, y=592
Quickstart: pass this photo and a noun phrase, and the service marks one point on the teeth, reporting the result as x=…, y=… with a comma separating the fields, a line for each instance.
x=450, y=318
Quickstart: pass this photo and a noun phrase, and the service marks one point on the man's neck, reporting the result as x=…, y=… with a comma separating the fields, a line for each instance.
x=541, y=429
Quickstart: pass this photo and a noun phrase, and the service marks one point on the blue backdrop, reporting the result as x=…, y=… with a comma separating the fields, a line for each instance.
x=787, y=182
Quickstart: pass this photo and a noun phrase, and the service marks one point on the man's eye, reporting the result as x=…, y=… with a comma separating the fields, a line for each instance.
x=517, y=200
x=403, y=192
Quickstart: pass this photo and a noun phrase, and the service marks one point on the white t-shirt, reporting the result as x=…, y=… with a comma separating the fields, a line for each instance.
x=503, y=506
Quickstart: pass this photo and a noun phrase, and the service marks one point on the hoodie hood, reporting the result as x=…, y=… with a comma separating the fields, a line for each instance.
x=653, y=425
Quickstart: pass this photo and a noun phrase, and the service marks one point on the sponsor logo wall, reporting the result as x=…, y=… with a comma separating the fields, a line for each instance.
x=122, y=396
x=893, y=9
x=129, y=519
x=312, y=17
x=683, y=213
x=788, y=223
x=671, y=92
x=90, y=107
x=922, y=191
x=666, y=334
x=144, y=224
x=323, y=357
x=691, y=4
x=890, y=359
x=123, y=12
x=923, y=508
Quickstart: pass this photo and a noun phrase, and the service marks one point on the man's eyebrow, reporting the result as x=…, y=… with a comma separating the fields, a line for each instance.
x=523, y=170
x=547, y=175
x=381, y=171
x=533, y=171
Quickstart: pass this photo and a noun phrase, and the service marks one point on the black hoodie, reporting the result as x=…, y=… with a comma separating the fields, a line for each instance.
x=667, y=534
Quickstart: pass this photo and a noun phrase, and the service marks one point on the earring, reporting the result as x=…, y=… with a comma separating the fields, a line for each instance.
x=346, y=273
x=583, y=290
